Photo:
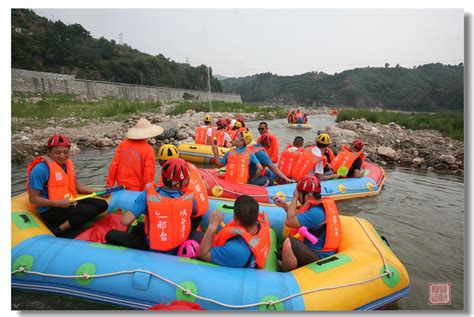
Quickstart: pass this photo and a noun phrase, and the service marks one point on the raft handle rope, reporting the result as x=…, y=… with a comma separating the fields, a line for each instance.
x=187, y=291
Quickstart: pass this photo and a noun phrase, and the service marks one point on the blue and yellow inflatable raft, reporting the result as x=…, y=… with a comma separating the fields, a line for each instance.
x=365, y=274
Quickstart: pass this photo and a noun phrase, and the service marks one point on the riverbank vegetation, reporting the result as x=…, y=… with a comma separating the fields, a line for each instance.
x=264, y=112
x=450, y=123
x=59, y=106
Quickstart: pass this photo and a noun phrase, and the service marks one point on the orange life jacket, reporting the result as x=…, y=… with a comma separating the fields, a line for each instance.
x=306, y=163
x=345, y=158
x=237, y=167
x=332, y=223
x=219, y=137
x=259, y=244
x=288, y=160
x=197, y=185
x=331, y=155
x=168, y=222
x=232, y=133
x=201, y=134
x=133, y=165
x=299, y=115
x=273, y=150
x=60, y=184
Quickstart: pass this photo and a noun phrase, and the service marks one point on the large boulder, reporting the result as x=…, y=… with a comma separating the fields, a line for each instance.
x=448, y=159
x=388, y=152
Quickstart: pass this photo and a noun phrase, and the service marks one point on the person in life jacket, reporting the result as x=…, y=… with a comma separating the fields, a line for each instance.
x=274, y=149
x=351, y=158
x=196, y=183
x=313, y=160
x=167, y=209
x=238, y=161
x=289, y=117
x=290, y=156
x=220, y=136
x=133, y=165
x=52, y=185
x=299, y=116
x=236, y=128
x=270, y=169
x=204, y=132
x=305, y=117
x=328, y=153
x=243, y=242
x=319, y=216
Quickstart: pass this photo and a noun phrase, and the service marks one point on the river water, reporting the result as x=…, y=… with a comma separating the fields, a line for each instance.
x=420, y=213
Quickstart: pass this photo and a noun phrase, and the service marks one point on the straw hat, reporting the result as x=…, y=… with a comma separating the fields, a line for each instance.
x=143, y=130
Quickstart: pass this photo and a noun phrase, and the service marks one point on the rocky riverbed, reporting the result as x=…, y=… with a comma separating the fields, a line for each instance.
x=385, y=144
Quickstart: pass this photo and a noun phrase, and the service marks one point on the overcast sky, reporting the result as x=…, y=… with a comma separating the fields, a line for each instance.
x=241, y=42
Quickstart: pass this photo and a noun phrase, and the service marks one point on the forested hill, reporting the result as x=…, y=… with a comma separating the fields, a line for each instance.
x=428, y=87
x=42, y=45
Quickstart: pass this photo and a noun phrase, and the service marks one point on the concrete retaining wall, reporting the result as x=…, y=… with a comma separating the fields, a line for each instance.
x=43, y=82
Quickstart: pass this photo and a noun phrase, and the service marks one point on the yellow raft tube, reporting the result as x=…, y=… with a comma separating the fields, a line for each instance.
x=363, y=275
x=199, y=153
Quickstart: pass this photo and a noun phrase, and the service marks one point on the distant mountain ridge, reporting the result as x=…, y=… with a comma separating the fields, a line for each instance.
x=42, y=45
x=429, y=87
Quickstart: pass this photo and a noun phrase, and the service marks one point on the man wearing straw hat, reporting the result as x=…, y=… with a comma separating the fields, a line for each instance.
x=133, y=165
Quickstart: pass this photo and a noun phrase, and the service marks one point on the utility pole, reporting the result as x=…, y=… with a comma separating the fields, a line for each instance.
x=209, y=88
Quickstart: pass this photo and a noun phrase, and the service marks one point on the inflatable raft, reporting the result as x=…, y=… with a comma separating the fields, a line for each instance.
x=298, y=125
x=199, y=153
x=365, y=274
x=338, y=189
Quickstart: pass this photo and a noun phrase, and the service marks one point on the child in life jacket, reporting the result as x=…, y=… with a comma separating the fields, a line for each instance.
x=238, y=161
x=243, y=242
x=52, y=185
x=168, y=211
x=321, y=218
x=133, y=165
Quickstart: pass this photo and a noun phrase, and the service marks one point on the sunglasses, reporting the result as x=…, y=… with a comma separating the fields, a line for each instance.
x=261, y=129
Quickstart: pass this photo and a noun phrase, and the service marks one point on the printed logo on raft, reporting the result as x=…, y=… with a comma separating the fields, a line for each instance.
x=439, y=293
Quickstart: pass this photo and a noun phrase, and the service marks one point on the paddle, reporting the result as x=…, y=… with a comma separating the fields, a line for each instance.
x=100, y=193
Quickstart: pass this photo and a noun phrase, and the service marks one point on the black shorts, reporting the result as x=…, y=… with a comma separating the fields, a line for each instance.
x=303, y=254
x=77, y=215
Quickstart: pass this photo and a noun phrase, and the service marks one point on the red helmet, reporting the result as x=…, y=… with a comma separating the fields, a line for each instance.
x=175, y=169
x=228, y=121
x=357, y=144
x=221, y=123
x=58, y=140
x=266, y=139
x=309, y=184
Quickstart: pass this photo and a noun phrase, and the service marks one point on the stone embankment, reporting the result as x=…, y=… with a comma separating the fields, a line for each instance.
x=385, y=144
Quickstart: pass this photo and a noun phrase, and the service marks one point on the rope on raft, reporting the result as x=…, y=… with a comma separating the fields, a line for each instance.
x=189, y=292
